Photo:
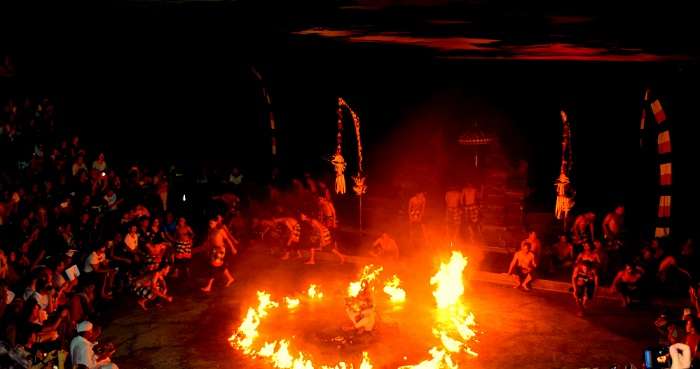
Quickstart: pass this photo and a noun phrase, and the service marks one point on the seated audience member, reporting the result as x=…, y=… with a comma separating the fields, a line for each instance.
x=83, y=350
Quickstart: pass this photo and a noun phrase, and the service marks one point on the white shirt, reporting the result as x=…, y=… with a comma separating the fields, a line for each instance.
x=94, y=258
x=81, y=352
x=680, y=356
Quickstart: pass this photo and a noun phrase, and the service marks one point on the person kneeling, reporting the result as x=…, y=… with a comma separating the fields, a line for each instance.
x=522, y=266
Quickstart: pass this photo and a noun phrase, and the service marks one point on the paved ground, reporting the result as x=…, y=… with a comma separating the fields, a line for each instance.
x=524, y=330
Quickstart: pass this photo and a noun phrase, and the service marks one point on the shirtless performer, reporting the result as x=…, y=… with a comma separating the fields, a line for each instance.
x=182, y=240
x=522, y=266
x=613, y=227
x=325, y=240
x=219, y=240
x=416, y=210
x=585, y=282
x=293, y=235
x=385, y=247
x=453, y=204
x=583, y=230
x=470, y=201
x=327, y=211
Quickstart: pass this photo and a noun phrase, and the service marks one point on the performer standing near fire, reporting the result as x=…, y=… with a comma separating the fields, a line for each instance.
x=453, y=206
x=293, y=229
x=321, y=239
x=219, y=240
x=470, y=201
x=522, y=266
x=416, y=210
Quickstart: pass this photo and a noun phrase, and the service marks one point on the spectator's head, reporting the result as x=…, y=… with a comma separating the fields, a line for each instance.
x=101, y=248
x=590, y=216
x=532, y=235
x=155, y=223
x=213, y=223
x=181, y=221
x=562, y=238
x=304, y=217
x=169, y=218
x=84, y=329
x=75, y=141
x=101, y=157
x=587, y=247
x=133, y=229
x=654, y=244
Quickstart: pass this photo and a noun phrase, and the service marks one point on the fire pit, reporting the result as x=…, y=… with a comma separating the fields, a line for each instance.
x=452, y=325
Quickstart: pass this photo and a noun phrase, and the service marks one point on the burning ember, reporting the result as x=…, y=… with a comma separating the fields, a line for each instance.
x=452, y=328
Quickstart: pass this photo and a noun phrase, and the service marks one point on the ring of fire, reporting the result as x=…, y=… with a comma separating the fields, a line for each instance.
x=452, y=327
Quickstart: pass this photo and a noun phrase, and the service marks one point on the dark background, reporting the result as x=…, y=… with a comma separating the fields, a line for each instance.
x=155, y=81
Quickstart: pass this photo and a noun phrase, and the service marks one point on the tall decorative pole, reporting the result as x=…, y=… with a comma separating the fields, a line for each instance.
x=565, y=190
x=339, y=163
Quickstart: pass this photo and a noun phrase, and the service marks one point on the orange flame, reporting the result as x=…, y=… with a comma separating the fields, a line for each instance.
x=313, y=292
x=292, y=303
x=396, y=293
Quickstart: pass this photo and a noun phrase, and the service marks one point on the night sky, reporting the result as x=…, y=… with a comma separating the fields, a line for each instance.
x=172, y=80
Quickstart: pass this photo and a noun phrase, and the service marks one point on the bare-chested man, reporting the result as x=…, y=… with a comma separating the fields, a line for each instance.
x=416, y=210
x=323, y=239
x=219, y=240
x=182, y=239
x=453, y=205
x=293, y=229
x=522, y=266
x=583, y=230
x=613, y=227
x=385, y=247
x=470, y=201
x=327, y=211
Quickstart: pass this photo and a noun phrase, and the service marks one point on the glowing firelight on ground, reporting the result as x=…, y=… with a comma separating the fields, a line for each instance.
x=313, y=292
x=452, y=329
x=292, y=303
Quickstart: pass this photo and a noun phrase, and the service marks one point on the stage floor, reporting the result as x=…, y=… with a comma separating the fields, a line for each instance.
x=519, y=329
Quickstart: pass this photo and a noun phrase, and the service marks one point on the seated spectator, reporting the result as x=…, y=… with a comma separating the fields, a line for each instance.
x=692, y=333
x=100, y=164
x=82, y=303
x=522, y=267
x=97, y=267
x=83, y=349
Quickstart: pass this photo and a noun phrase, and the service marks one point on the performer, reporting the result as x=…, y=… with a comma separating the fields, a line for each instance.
x=583, y=230
x=416, y=209
x=293, y=235
x=327, y=212
x=585, y=282
x=322, y=238
x=613, y=228
x=522, y=266
x=219, y=240
x=183, y=246
x=385, y=247
x=470, y=201
x=453, y=204
x=151, y=286
x=360, y=310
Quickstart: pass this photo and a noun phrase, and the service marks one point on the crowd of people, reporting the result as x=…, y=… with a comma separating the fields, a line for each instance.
x=77, y=232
